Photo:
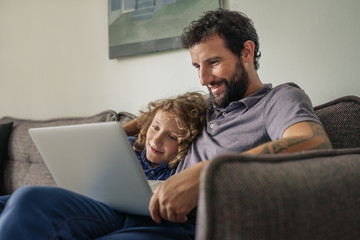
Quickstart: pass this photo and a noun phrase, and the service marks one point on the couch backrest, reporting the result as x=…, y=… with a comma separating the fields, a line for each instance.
x=341, y=120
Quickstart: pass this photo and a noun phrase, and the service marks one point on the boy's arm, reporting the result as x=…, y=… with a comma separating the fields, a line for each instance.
x=131, y=128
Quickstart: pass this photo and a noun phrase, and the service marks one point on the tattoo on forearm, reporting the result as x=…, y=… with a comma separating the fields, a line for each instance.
x=283, y=145
x=317, y=129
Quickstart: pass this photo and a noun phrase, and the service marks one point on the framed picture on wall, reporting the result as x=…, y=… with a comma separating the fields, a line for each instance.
x=146, y=26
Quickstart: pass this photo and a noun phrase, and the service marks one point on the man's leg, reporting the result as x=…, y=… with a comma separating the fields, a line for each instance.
x=144, y=228
x=54, y=213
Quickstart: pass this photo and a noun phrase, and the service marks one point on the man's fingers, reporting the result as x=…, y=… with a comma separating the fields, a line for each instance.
x=181, y=219
x=174, y=215
x=170, y=216
x=154, y=209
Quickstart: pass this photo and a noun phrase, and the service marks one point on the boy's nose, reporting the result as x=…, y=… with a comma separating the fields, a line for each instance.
x=157, y=140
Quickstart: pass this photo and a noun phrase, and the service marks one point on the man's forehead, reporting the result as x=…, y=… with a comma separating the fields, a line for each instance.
x=212, y=48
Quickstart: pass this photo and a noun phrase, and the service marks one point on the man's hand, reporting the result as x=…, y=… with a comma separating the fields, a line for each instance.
x=177, y=196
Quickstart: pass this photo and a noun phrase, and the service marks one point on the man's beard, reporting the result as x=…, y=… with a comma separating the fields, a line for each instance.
x=235, y=87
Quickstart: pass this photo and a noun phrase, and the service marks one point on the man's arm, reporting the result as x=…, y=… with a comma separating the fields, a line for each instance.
x=298, y=137
x=178, y=195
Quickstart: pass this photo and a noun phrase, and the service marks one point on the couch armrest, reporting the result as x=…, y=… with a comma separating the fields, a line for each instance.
x=306, y=195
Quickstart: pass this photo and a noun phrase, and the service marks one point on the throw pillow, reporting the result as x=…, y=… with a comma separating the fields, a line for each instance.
x=5, y=130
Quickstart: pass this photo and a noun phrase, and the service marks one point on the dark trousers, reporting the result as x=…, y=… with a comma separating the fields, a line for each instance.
x=35, y=212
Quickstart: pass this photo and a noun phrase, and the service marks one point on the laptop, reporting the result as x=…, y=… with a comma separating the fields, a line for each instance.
x=96, y=160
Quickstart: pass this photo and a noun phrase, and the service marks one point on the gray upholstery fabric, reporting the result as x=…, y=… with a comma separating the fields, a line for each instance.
x=310, y=195
x=125, y=117
x=341, y=118
x=25, y=166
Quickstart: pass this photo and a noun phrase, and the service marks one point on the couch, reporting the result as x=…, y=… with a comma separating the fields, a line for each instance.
x=305, y=195
x=310, y=195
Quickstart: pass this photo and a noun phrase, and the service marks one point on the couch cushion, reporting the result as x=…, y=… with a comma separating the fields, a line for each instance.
x=25, y=165
x=5, y=130
x=341, y=118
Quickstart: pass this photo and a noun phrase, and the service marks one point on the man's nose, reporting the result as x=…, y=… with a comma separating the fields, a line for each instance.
x=204, y=76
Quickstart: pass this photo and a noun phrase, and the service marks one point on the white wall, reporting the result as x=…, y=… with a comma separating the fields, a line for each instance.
x=54, y=56
x=315, y=43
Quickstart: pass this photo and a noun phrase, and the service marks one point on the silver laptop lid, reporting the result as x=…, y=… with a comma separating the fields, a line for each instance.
x=95, y=160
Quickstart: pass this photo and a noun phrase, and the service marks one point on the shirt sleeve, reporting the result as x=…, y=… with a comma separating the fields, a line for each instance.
x=132, y=140
x=287, y=105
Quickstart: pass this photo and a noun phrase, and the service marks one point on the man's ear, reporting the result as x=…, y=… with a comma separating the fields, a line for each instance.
x=248, y=52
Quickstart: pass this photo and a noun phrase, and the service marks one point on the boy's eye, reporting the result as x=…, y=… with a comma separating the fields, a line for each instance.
x=173, y=138
x=155, y=127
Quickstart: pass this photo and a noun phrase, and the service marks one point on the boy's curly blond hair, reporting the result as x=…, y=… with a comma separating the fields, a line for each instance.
x=189, y=111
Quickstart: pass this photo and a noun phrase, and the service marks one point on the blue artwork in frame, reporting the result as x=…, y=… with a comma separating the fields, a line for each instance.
x=146, y=26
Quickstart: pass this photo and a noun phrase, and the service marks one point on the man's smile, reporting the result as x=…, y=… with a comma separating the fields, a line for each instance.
x=216, y=87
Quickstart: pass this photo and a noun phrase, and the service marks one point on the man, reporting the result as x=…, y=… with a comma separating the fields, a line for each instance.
x=245, y=116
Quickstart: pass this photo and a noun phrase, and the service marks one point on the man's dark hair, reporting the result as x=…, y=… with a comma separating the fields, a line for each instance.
x=234, y=27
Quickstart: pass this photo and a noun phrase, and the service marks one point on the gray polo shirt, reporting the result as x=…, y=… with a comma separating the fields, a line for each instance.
x=250, y=122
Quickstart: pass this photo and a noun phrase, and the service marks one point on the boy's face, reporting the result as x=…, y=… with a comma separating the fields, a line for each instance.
x=161, y=138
